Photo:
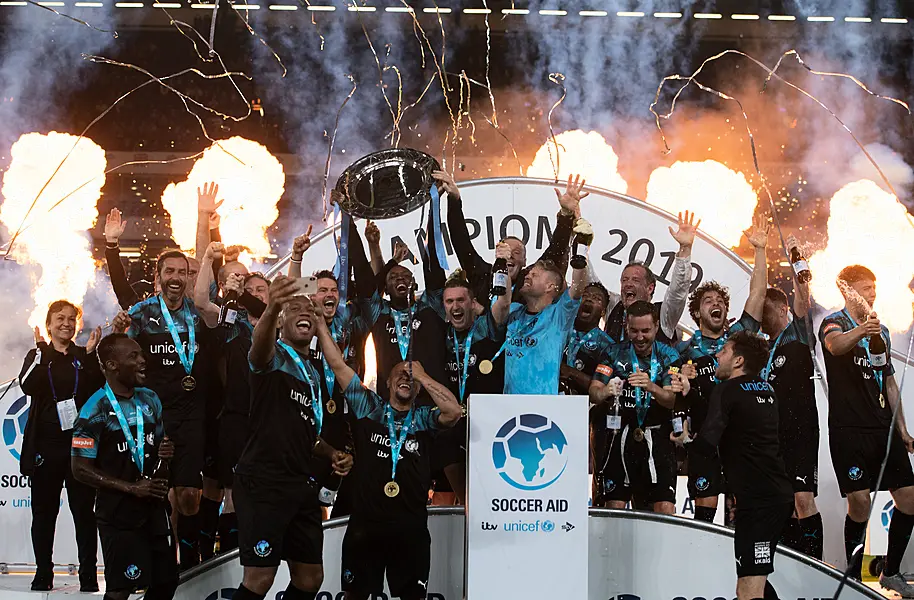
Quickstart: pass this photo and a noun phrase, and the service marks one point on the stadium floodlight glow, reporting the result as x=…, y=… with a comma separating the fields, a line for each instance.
x=893, y=20
x=515, y=11
x=781, y=18
x=593, y=13
x=362, y=9
x=553, y=13
x=625, y=13
x=857, y=20
x=708, y=16
x=477, y=11
x=166, y=5
x=441, y=10
x=90, y=5
x=744, y=17
x=821, y=19
x=50, y=4
x=128, y=4
x=321, y=8
x=283, y=7
x=13, y=3
x=667, y=15
x=400, y=9
x=247, y=7
x=204, y=6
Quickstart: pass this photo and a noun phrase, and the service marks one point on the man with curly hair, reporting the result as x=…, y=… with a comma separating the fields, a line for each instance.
x=709, y=305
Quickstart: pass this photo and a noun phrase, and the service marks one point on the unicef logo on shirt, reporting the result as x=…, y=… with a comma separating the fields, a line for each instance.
x=14, y=425
x=530, y=452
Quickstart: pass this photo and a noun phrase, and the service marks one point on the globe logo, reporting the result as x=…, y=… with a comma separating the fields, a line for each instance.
x=14, y=425
x=133, y=572
x=887, y=511
x=530, y=452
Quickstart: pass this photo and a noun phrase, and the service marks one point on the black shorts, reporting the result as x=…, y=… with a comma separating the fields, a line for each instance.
x=211, y=453
x=706, y=479
x=649, y=467
x=189, y=438
x=857, y=456
x=756, y=536
x=449, y=447
x=233, y=436
x=800, y=450
x=276, y=522
x=369, y=550
x=138, y=558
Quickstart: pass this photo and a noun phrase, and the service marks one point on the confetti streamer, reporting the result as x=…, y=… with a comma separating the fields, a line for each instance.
x=212, y=28
x=244, y=19
x=494, y=121
x=559, y=80
x=66, y=16
x=394, y=135
x=336, y=127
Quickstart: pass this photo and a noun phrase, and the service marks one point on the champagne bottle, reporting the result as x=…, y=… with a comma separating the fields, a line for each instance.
x=800, y=267
x=500, y=279
x=229, y=310
x=878, y=352
x=163, y=470
x=327, y=495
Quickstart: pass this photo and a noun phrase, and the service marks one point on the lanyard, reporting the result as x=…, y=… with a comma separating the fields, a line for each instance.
x=865, y=342
x=396, y=443
x=641, y=406
x=329, y=375
x=403, y=339
x=774, y=349
x=512, y=334
x=698, y=339
x=462, y=368
x=317, y=406
x=187, y=359
x=76, y=366
x=136, y=447
x=576, y=341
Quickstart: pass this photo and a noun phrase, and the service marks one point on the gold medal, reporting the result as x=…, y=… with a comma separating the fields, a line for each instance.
x=391, y=489
x=463, y=410
x=638, y=434
x=881, y=401
x=189, y=384
x=331, y=406
x=485, y=367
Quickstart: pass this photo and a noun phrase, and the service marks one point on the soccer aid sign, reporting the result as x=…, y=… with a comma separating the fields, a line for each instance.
x=528, y=496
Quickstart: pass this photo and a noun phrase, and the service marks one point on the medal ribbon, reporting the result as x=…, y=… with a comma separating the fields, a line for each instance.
x=642, y=398
x=136, y=447
x=317, y=406
x=329, y=375
x=403, y=339
x=341, y=268
x=575, y=341
x=396, y=442
x=774, y=349
x=187, y=359
x=462, y=368
x=75, y=385
x=865, y=343
x=512, y=334
x=718, y=345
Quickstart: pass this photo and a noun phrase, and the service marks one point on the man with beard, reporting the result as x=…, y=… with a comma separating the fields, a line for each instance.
x=742, y=424
x=117, y=442
x=169, y=330
x=275, y=490
x=638, y=283
x=789, y=370
x=862, y=398
x=478, y=271
x=586, y=343
x=391, y=478
x=708, y=306
x=636, y=462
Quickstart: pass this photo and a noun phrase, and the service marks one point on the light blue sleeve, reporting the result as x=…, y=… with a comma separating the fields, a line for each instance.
x=279, y=358
x=426, y=418
x=564, y=311
x=362, y=401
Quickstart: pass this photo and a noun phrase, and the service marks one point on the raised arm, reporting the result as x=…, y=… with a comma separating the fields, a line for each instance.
x=299, y=246
x=435, y=277
x=206, y=206
x=501, y=308
x=839, y=343
x=677, y=293
x=758, y=283
x=446, y=402
x=331, y=352
x=800, y=289
x=114, y=229
x=569, y=213
x=373, y=237
x=470, y=261
x=263, y=343
x=207, y=308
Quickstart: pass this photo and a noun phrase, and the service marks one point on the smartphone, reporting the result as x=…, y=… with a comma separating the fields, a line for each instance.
x=305, y=286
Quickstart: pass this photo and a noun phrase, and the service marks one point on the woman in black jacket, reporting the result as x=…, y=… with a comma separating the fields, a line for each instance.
x=59, y=377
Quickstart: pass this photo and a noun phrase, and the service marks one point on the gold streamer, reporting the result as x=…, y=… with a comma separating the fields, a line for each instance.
x=559, y=80
x=336, y=127
x=66, y=16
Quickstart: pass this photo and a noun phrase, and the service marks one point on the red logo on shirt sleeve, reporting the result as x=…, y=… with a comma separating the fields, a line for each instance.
x=605, y=370
x=83, y=442
x=831, y=327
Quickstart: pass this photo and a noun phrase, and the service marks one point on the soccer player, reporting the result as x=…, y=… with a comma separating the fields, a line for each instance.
x=586, y=343
x=391, y=477
x=789, y=370
x=118, y=441
x=275, y=491
x=169, y=330
x=59, y=377
x=478, y=271
x=638, y=282
x=742, y=423
x=633, y=451
x=861, y=399
x=709, y=305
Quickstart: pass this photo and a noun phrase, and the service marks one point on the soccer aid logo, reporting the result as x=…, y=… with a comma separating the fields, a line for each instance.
x=855, y=473
x=133, y=572
x=701, y=484
x=262, y=548
x=14, y=425
x=530, y=452
x=887, y=511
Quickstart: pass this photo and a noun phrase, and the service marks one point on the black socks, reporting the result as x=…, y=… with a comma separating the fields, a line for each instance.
x=705, y=513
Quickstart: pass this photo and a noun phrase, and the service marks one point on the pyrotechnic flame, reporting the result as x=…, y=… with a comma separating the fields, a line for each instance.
x=586, y=153
x=721, y=197
x=57, y=240
x=868, y=226
x=250, y=190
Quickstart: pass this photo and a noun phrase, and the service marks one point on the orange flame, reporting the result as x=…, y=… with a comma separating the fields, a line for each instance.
x=582, y=153
x=55, y=240
x=868, y=226
x=721, y=197
x=251, y=181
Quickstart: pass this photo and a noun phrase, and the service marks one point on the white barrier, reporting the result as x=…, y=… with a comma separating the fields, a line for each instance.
x=632, y=556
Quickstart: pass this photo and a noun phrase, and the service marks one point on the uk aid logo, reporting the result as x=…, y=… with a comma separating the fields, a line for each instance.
x=14, y=425
x=530, y=452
